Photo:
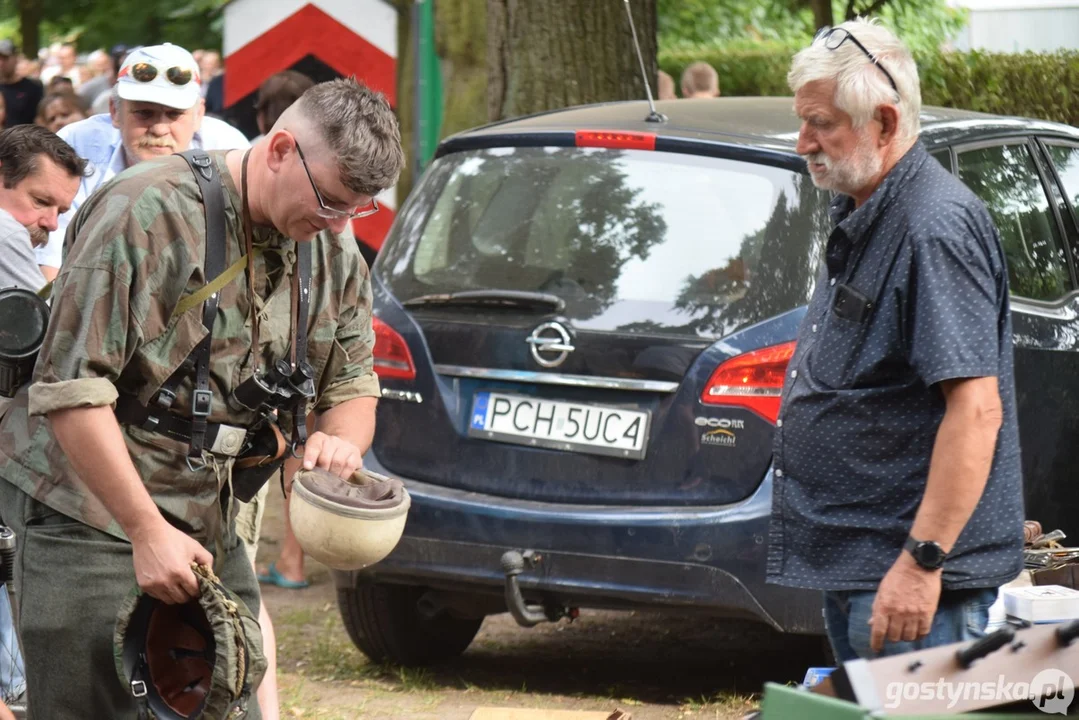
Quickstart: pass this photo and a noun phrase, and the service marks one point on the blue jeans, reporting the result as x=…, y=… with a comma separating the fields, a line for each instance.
x=961, y=615
x=12, y=674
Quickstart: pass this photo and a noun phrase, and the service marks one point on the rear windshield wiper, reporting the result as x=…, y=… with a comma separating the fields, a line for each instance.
x=491, y=298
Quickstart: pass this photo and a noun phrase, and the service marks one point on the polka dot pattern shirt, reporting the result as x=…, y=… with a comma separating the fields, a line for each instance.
x=914, y=291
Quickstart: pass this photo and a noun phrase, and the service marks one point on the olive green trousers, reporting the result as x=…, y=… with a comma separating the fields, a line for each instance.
x=70, y=580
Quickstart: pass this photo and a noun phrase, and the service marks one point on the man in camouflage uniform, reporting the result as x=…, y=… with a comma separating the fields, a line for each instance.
x=99, y=506
x=150, y=118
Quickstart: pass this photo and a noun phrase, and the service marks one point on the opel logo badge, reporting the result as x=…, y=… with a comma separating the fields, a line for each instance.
x=550, y=344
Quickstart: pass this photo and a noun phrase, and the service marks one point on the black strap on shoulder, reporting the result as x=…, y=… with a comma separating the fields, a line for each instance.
x=214, y=201
x=303, y=253
x=299, y=408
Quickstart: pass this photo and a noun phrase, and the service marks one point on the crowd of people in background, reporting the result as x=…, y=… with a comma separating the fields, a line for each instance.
x=60, y=87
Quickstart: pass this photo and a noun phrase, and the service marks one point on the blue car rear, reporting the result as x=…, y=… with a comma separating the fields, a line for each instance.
x=582, y=335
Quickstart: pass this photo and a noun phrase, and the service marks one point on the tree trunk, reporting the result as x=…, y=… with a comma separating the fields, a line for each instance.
x=866, y=8
x=547, y=54
x=461, y=43
x=406, y=82
x=29, y=26
x=153, y=30
x=461, y=27
x=822, y=13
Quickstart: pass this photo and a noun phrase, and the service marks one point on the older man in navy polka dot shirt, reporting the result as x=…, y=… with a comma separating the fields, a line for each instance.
x=896, y=466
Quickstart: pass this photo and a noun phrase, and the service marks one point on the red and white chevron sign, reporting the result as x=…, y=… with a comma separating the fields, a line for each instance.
x=349, y=37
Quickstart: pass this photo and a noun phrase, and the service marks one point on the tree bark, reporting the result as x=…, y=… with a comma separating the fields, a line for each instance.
x=547, y=54
x=822, y=13
x=153, y=30
x=497, y=57
x=461, y=28
x=29, y=26
x=461, y=44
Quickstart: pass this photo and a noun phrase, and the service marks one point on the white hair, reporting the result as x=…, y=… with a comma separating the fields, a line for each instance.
x=861, y=87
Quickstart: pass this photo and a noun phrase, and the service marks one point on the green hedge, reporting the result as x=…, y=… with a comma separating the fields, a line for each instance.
x=1030, y=84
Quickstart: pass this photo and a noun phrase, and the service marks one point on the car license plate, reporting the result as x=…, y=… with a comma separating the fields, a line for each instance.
x=576, y=427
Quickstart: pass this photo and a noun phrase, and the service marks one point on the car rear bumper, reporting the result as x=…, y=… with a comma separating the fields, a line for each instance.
x=706, y=558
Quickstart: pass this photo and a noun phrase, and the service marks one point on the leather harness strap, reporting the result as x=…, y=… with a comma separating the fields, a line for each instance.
x=301, y=303
x=220, y=438
x=197, y=431
x=214, y=201
x=301, y=289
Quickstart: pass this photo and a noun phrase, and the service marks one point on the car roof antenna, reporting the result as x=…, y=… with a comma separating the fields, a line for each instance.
x=653, y=116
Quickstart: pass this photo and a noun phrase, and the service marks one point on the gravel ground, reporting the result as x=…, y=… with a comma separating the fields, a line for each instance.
x=654, y=666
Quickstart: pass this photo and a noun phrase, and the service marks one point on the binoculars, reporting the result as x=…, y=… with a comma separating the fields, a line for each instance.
x=24, y=318
x=276, y=388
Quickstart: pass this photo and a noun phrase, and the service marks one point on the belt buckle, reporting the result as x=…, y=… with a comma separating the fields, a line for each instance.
x=165, y=398
x=202, y=403
x=229, y=441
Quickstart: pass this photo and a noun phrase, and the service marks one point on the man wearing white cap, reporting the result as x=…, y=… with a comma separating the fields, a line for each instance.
x=156, y=109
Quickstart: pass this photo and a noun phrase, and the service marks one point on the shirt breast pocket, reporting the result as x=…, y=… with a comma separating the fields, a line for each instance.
x=841, y=344
x=325, y=353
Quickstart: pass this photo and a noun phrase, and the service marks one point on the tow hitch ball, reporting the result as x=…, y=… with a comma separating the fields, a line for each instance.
x=513, y=564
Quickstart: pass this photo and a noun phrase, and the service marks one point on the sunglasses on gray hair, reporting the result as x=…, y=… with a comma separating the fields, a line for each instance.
x=834, y=39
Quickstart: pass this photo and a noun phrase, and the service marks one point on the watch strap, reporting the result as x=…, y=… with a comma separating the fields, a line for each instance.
x=911, y=545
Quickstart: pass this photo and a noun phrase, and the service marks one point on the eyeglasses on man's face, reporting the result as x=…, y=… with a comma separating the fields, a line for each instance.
x=324, y=210
x=834, y=39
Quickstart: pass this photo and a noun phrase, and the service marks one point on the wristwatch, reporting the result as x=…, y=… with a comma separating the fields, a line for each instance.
x=927, y=554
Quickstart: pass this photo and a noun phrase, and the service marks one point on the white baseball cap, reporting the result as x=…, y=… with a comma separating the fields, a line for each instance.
x=163, y=74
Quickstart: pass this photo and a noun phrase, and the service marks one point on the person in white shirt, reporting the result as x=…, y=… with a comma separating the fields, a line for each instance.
x=66, y=67
x=39, y=174
x=38, y=177
x=151, y=114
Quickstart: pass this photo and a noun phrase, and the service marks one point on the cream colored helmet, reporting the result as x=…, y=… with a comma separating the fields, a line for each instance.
x=347, y=525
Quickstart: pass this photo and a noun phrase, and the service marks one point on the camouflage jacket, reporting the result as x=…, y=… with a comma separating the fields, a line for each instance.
x=134, y=250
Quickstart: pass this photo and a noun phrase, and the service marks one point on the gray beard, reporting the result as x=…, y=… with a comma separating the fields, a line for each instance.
x=850, y=174
x=39, y=236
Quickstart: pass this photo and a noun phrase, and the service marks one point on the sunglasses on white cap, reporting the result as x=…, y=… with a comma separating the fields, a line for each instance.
x=145, y=72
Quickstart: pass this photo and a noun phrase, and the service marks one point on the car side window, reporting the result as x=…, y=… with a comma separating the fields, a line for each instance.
x=1066, y=160
x=944, y=157
x=1007, y=181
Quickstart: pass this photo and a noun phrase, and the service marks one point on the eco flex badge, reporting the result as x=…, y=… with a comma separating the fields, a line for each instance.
x=721, y=433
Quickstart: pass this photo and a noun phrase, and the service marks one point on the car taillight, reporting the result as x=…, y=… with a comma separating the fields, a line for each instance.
x=753, y=380
x=392, y=357
x=616, y=139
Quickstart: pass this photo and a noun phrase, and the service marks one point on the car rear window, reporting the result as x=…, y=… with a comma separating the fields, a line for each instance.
x=633, y=241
